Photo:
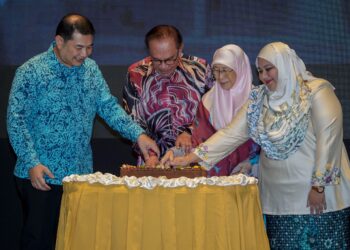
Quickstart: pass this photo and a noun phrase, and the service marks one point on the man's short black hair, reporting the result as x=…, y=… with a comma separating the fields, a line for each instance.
x=164, y=31
x=74, y=22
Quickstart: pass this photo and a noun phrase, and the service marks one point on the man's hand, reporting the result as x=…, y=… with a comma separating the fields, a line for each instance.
x=145, y=143
x=184, y=141
x=317, y=202
x=152, y=161
x=37, y=174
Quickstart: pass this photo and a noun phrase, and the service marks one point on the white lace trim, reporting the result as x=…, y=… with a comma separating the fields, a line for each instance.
x=149, y=182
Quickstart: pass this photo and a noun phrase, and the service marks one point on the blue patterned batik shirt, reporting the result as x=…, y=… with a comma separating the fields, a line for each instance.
x=51, y=114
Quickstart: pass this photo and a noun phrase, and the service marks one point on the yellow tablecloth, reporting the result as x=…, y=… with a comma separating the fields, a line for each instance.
x=96, y=216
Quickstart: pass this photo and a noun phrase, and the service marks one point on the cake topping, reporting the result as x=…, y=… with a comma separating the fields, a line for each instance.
x=160, y=166
x=149, y=182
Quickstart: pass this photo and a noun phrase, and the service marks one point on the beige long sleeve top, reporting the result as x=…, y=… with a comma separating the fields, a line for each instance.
x=285, y=184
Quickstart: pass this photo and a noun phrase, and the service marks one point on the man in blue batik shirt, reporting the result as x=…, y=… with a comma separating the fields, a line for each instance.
x=54, y=99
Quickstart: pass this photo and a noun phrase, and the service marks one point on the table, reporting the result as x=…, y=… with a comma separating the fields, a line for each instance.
x=120, y=216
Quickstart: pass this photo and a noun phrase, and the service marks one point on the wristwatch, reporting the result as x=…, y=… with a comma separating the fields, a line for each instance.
x=318, y=189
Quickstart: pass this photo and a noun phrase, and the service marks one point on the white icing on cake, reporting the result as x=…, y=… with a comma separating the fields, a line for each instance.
x=149, y=182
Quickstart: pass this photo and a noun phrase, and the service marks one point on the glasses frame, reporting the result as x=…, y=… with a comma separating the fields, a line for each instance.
x=220, y=71
x=169, y=61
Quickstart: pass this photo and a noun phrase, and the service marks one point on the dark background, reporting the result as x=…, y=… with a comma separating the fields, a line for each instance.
x=317, y=30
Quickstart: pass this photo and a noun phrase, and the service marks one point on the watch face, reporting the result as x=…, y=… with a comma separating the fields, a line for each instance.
x=318, y=189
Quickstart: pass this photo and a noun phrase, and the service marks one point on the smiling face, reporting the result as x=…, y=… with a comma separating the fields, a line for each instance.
x=224, y=75
x=74, y=51
x=268, y=74
x=165, y=55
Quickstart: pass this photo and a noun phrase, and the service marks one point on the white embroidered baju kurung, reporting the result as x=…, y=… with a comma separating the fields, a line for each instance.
x=285, y=184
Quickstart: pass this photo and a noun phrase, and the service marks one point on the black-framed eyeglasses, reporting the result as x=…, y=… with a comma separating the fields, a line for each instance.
x=169, y=61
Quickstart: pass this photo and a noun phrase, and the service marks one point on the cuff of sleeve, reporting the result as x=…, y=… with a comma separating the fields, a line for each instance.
x=185, y=128
x=205, y=165
x=329, y=177
x=201, y=151
x=137, y=135
x=188, y=130
x=31, y=164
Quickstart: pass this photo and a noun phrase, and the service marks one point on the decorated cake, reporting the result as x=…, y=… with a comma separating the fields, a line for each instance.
x=150, y=182
x=189, y=172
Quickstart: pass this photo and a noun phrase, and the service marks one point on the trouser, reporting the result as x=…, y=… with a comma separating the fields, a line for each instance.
x=40, y=215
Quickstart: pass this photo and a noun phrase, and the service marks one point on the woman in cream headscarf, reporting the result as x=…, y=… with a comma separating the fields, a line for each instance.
x=232, y=76
x=304, y=168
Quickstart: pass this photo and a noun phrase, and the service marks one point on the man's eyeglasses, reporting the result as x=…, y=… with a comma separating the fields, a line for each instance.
x=168, y=61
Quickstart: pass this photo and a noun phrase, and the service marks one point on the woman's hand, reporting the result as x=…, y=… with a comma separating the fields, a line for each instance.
x=316, y=201
x=184, y=141
x=184, y=160
x=243, y=167
x=180, y=161
x=167, y=158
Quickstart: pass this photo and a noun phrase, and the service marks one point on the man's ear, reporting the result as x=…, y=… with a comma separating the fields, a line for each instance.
x=59, y=41
x=180, y=49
